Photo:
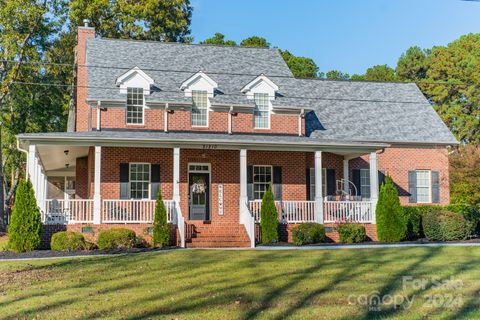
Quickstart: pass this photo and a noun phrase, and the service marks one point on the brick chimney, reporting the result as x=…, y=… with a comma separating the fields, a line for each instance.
x=82, y=110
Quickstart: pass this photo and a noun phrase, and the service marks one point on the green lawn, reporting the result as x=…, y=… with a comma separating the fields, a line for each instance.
x=210, y=284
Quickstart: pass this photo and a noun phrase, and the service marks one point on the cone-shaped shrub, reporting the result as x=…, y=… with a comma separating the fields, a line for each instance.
x=268, y=218
x=25, y=226
x=161, y=231
x=391, y=224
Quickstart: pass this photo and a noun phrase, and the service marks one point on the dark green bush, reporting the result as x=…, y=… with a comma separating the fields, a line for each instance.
x=269, y=218
x=161, y=231
x=351, y=233
x=68, y=241
x=469, y=212
x=25, y=226
x=444, y=225
x=116, y=238
x=413, y=219
x=391, y=224
x=308, y=233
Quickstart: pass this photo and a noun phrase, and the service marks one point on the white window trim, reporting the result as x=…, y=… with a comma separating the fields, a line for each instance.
x=429, y=185
x=269, y=99
x=312, y=182
x=369, y=185
x=143, y=109
x=208, y=110
x=149, y=180
x=253, y=178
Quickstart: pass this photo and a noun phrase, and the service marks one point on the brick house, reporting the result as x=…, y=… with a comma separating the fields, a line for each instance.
x=212, y=127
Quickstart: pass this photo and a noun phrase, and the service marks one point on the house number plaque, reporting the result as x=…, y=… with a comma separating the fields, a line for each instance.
x=220, y=199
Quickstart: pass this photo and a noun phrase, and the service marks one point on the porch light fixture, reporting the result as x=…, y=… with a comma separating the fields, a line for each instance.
x=66, y=152
x=67, y=165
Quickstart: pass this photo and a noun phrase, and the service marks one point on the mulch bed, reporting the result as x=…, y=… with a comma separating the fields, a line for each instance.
x=59, y=254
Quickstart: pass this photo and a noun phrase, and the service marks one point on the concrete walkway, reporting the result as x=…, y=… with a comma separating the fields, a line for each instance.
x=371, y=246
x=277, y=248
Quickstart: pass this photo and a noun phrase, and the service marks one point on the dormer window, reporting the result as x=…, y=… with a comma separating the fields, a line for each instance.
x=199, y=114
x=135, y=105
x=261, y=113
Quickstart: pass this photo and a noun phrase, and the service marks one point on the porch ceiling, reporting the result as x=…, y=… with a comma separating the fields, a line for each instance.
x=54, y=157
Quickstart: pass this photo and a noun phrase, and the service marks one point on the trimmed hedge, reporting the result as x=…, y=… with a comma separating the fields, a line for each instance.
x=68, y=241
x=308, y=233
x=269, y=218
x=24, y=231
x=444, y=225
x=391, y=224
x=161, y=231
x=414, y=218
x=116, y=238
x=351, y=233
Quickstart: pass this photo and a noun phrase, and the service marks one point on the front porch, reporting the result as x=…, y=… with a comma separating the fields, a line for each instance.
x=98, y=192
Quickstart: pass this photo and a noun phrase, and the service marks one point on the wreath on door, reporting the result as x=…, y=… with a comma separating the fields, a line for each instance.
x=199, y=186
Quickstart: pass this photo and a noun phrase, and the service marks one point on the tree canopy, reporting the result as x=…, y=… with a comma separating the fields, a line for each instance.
x=218, y=39
x=161, y=20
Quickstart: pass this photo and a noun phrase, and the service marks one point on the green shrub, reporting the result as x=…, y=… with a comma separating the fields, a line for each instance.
x=140, y=242
x=351, y=233
x=161, y=231
x=444, y=225
x=413, y=219
x=469, y=212
x=116, y=238
x=308, y=233
x=25, y=227
x=68, y=241
x=391, y=224
x=269, y=218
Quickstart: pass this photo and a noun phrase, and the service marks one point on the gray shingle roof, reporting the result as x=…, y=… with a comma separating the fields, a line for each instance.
x=342, y=110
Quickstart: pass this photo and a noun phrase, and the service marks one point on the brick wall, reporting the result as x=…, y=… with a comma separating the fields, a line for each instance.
x=82, y=108
x=396, y=162
x=81, y=180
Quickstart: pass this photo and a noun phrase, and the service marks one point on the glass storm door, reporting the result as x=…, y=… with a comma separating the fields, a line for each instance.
x=199, y=196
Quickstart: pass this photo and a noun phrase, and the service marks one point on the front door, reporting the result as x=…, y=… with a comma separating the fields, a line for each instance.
x=199, y=196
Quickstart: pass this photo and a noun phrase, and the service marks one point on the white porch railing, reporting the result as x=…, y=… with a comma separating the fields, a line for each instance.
x=60, y=211
x=347, y=211
x=133, y=211
x=288, y=211
x=304, y=211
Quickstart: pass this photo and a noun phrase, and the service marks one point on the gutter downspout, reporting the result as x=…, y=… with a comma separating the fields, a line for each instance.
x=165, y=118
x=300, y=116
x=99, y=109
x=230, y=111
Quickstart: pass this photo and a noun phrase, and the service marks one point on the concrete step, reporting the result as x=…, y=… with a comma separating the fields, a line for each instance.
x=218, y=244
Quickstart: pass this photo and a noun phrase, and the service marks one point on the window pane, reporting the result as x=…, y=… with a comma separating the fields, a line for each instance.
x=199, y=108
x=135, y=105
x=262, y=177
x=423, y=186
x=365, y=183
x=312, y=182
x=261, y=111
x=139, y=180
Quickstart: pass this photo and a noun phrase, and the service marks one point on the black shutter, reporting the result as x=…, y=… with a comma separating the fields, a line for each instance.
x=309, y=196
x=124, y=179
x=356, y=181
x=381, y=178
x=154, y=181
x=331, y=182
x=435, y=187
x=250, y=182
x=412, y=186
x=277, y=183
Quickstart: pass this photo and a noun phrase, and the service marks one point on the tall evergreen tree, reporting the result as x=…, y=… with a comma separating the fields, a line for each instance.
x=24, y=232
x=161, y=231
x=391, y=225
x=269, y=217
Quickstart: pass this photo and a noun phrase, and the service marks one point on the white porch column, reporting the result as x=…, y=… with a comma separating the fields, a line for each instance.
x=42, y=190
x=243, y=176
x=318, y=187
x=97, y=203
x=346, y=179
x=373, y=184
x=176, y=175
x=31, y=165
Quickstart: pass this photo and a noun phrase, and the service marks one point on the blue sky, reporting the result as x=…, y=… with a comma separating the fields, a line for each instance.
x=348, y=35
